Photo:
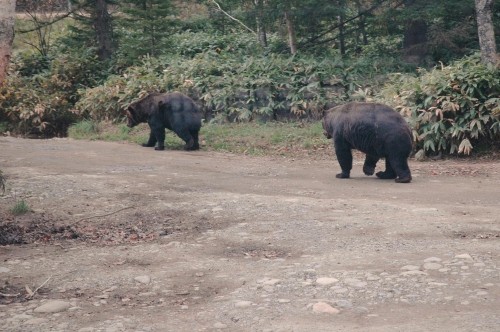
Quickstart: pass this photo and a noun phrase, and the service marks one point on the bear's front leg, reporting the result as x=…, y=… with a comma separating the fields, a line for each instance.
x=158, y=130
x=344, y=157
x=160, y=137
x=151, y=141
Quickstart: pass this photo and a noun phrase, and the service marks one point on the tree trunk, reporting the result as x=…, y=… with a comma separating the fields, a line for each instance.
x=292, y=41
x=7, y=19
x=259, y=22
x=361, y=24
x=103, y=29
x=415, y=46
x=341, y=34
x=486, y=32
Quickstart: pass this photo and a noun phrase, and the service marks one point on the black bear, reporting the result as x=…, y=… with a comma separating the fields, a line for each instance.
x=374, y=129
x=174, y=111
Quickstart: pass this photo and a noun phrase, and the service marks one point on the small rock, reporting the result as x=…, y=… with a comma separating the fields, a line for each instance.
x=243, y=304
x=4, y=269
x=86, y=329
x=432, y=266
x=112, y=288
x=271, y=281
x=326, y=281
x=322, y=307
x=339, y=290
x=220, y=326
x=22, y=317
x=361, y=310
x=53, y=306
x=268, y=288
x=371, y=277
x=420, y=155
x=353, y=282
x=466, y=257
x=143, y=279
x=432, y=260
x=343, y=303
x=410, y=267
x=36, y=321
x=413, y=273
x=283, y=301
x=103, y=296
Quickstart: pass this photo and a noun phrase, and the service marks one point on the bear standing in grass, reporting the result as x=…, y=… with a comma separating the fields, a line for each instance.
x=374, y=129
x=173, y=111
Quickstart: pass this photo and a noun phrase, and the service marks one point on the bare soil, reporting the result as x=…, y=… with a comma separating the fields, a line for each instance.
x=133, y=239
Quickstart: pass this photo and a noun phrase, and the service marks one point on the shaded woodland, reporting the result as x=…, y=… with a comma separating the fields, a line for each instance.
x=259, y=60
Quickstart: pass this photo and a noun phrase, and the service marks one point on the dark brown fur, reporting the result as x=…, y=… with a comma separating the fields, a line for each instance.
x=174, y=111
x=374, y=129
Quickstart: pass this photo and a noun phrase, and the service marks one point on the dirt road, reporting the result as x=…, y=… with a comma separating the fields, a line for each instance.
x=124, y=238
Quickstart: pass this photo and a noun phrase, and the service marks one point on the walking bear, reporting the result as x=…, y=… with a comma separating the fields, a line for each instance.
x=375, y=129
x=174, y=111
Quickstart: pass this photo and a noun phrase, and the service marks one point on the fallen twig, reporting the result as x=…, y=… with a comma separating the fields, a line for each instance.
x=10, y=295
x=36, y=290
x=104, y=215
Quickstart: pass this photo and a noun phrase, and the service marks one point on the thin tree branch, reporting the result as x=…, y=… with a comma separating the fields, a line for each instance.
x=233, y=18
x=364, y=12
x=57, y=19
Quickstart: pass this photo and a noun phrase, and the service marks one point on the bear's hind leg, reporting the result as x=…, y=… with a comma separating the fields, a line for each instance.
x=389, y=172
x=196, y=144
x=369, y=165
x=400, y=166
x=186, y=136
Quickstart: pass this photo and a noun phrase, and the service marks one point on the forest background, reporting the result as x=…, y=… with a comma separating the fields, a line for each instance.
x=77, y=64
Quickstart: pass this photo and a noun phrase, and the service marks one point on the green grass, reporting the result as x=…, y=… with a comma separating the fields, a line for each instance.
x=263, y=139
x=2, y=183
x=3, y=127
x=85, y=129
x=21, y=207
x=272, y=138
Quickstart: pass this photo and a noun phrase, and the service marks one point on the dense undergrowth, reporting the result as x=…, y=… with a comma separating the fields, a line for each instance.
x=453, y=109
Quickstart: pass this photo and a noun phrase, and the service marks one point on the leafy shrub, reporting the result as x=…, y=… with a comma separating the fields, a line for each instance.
x=188, y=44
x=237, y=87
x=40, y=102
x=452, y=108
